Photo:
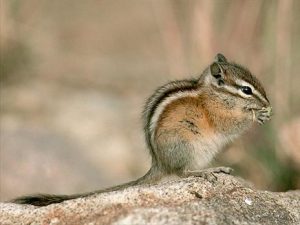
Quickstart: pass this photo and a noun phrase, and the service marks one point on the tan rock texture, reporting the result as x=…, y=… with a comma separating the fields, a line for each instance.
x=229, y=200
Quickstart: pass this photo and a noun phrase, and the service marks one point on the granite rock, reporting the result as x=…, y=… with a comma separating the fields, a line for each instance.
x=194, y=200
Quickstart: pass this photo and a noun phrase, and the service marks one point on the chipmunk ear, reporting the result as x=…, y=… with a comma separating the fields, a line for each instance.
x=215, y=70
x=217, y=73
x=220, y=58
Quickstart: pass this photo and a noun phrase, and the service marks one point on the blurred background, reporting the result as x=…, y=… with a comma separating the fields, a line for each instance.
x=75, y=76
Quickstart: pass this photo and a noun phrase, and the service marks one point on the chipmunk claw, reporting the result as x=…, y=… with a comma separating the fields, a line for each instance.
x=263, y=115
x=209, y=174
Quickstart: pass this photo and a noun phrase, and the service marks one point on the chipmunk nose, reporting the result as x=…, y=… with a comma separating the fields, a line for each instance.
x=266, y=106
x=266, y=103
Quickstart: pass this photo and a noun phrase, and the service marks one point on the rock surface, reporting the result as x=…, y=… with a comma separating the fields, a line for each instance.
x=229, y=200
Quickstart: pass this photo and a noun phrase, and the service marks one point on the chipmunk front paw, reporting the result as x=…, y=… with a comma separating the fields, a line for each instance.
x=262, y=115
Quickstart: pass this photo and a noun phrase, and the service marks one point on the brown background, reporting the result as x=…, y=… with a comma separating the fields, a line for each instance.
x=75, y=75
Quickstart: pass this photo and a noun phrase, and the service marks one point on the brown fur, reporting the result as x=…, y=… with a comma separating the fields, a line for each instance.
x=176, y=115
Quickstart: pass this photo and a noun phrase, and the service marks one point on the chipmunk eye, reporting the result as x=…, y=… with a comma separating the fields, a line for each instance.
x=247, y=90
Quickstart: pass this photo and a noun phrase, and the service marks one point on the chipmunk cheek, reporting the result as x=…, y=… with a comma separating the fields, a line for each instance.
x=248, y=107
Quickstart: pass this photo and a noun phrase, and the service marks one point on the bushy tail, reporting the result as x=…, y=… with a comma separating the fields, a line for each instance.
x=43, y=199
x=153, y=175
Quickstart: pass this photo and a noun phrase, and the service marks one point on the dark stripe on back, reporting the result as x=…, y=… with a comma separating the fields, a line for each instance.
x=169, y=93
x=159, y=95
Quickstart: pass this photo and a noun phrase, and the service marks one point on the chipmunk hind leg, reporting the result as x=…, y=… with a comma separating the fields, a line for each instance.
x=174, y=154
x=208, y=174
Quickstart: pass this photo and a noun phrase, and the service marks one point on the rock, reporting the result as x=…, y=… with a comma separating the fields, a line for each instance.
x=193, y=200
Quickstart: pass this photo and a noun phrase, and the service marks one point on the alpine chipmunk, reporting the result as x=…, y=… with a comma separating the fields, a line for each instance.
x=187, y=122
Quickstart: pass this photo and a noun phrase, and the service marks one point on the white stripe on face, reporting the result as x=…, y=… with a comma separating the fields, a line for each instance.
x=254, y=91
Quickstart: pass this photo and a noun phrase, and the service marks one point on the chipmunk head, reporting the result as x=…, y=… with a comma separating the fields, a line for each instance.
x=236, y=85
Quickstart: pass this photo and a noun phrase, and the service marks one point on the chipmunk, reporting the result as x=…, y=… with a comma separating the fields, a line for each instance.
x=187, y=122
